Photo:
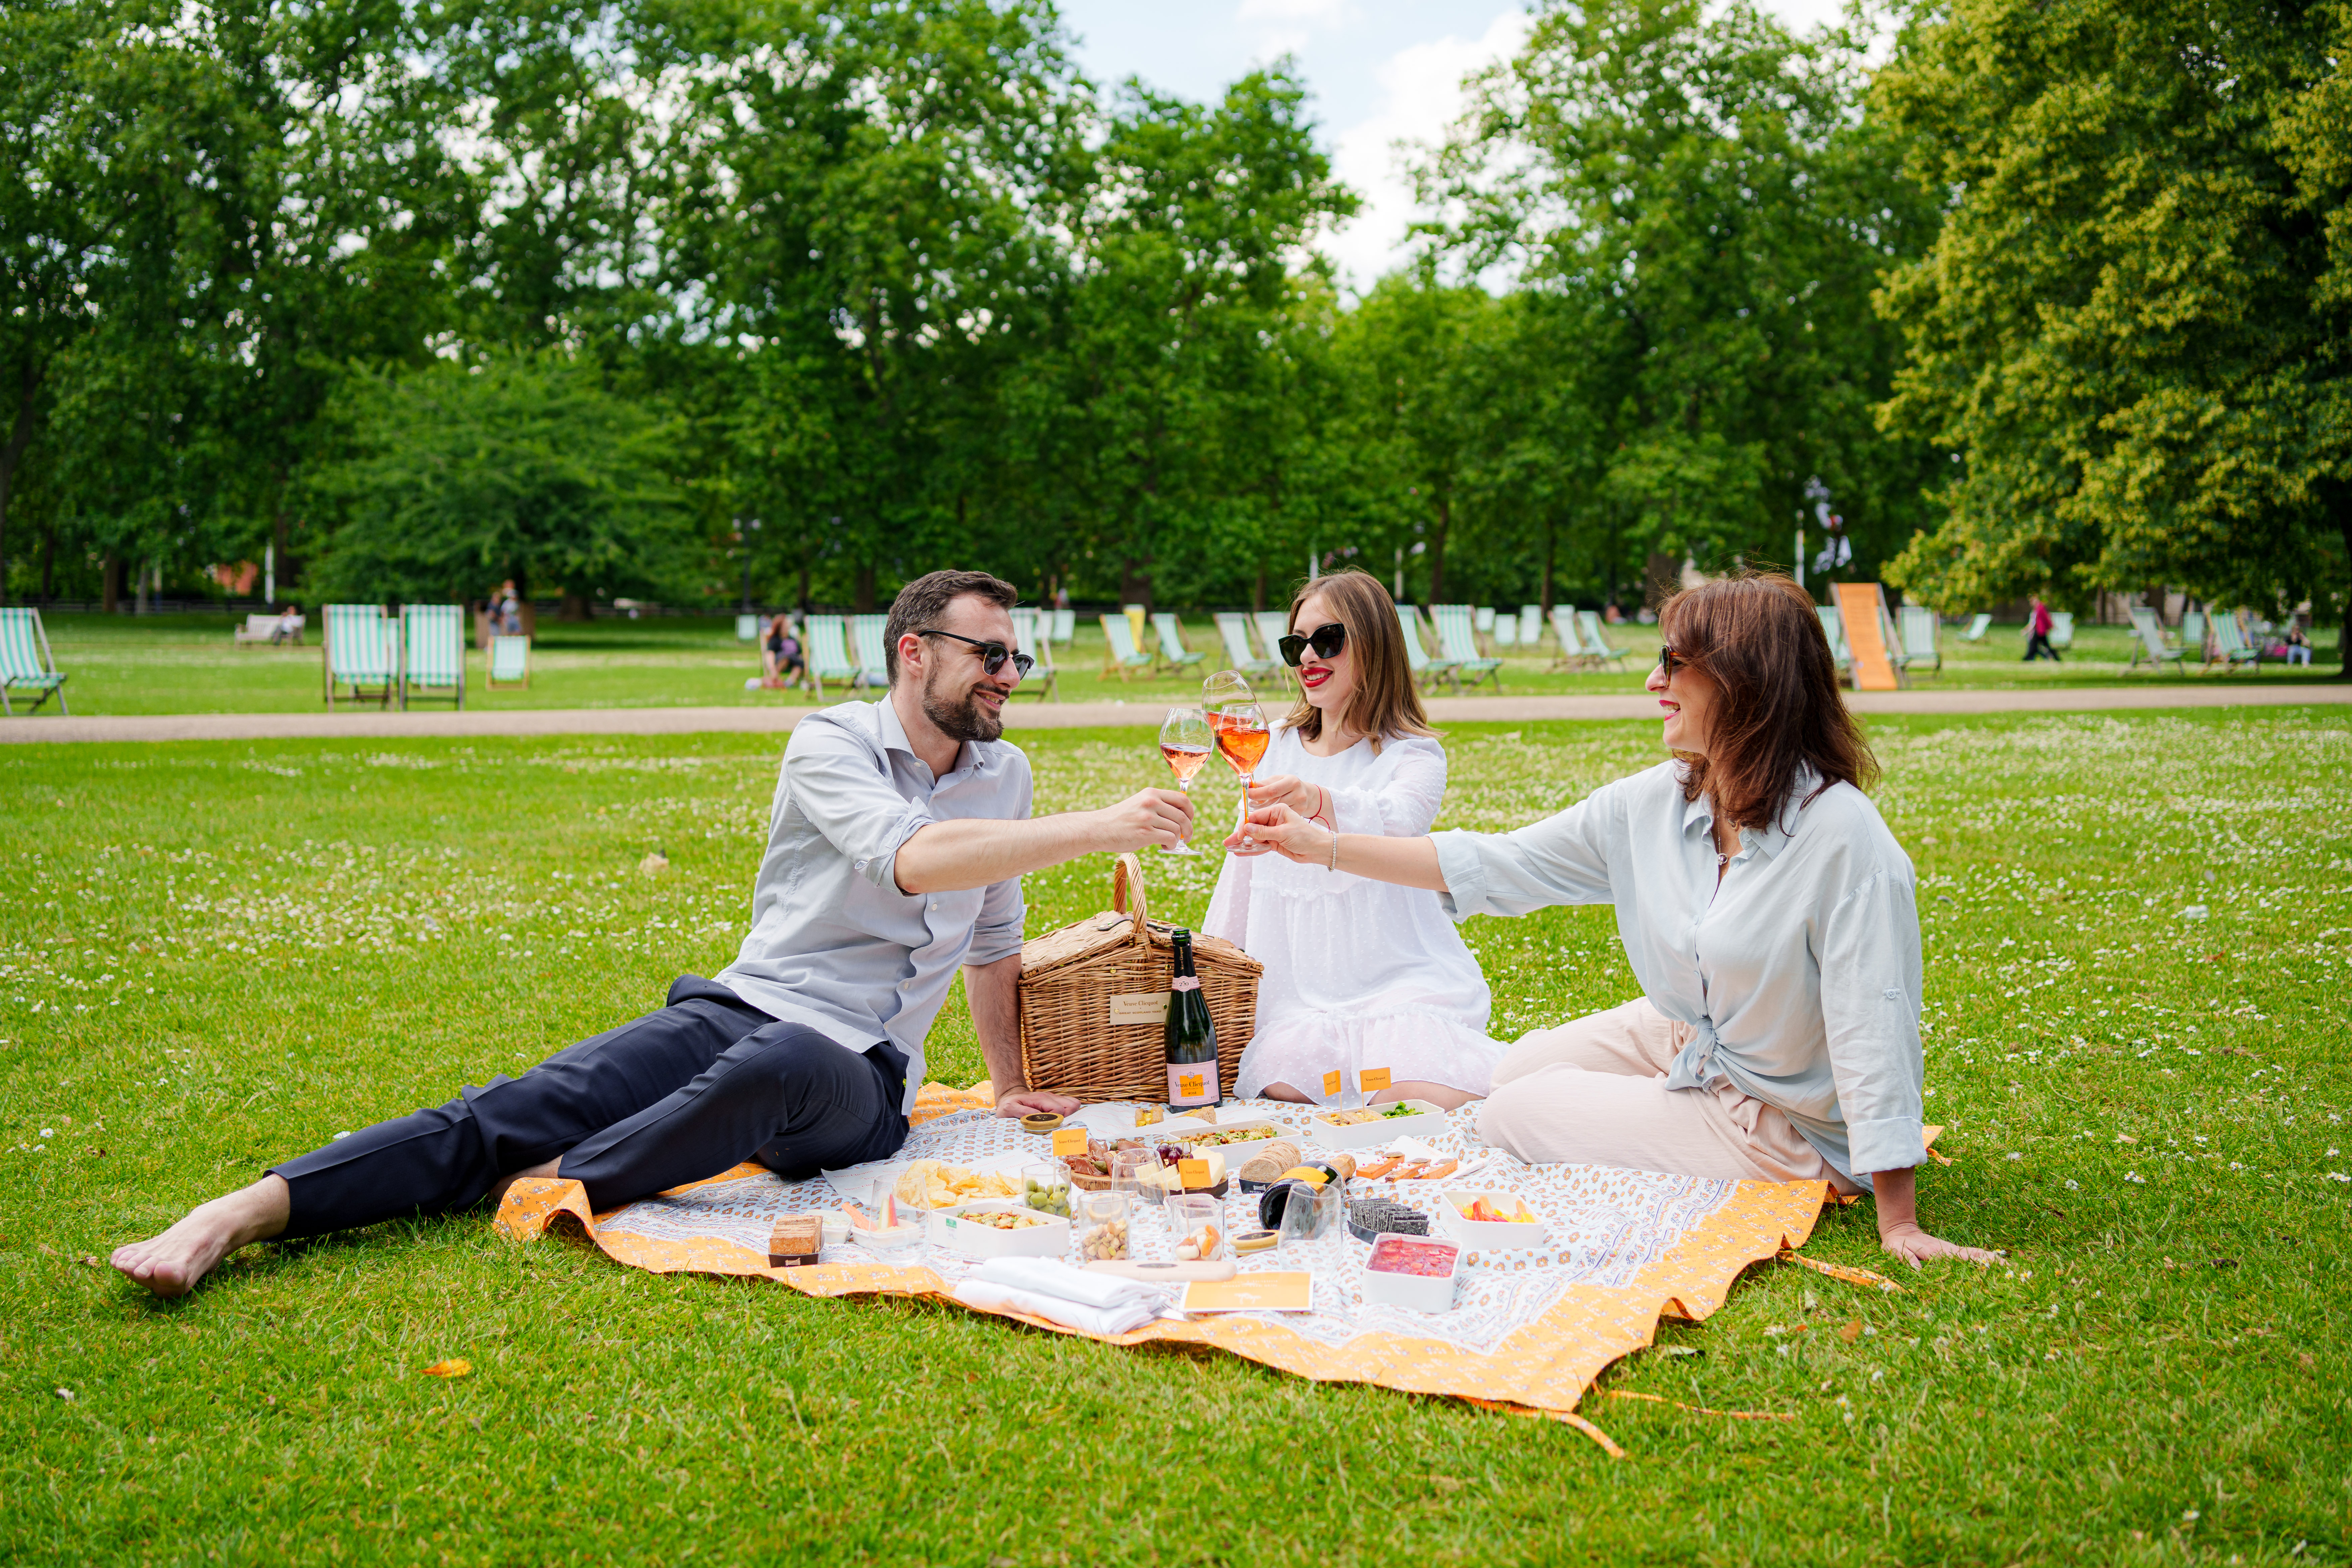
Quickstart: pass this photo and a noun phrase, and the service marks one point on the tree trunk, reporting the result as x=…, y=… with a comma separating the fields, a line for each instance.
x=804, y=599
x=1437, y=549
x=575, y=607
x=861, y=589
x=2344, y=635
x=109, y=583
x=1551, y=559
x=20, y=435
x=1257, y=590
x=1135, y=581
x=48, y=564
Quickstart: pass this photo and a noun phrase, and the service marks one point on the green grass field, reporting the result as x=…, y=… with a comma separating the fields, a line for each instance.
x=216, y=956
x=188, y=664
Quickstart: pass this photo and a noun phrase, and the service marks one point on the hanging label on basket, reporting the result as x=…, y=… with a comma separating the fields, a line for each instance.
x=1372, y=1078
x=1333, y=1082
x=1140, y=1007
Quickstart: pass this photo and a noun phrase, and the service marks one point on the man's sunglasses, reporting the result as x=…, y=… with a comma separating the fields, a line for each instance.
x=1326, y=640
x=992, y=655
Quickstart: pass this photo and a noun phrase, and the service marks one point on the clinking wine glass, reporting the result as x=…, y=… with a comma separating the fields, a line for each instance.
x=1225, y=686
x=1186, y=740
x=1242, y=736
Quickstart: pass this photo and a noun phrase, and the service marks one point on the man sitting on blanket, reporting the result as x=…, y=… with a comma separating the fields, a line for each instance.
x=897, y=840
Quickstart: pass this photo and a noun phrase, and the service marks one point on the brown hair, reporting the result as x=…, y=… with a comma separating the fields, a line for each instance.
x=1385, y=704
x=1757, y=637
x=926, y=599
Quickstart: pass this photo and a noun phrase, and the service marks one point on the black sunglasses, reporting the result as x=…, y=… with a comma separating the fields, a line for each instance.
x=1326, y=641
x=992, y=655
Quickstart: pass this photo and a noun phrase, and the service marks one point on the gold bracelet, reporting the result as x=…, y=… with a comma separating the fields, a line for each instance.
x=1334, y=865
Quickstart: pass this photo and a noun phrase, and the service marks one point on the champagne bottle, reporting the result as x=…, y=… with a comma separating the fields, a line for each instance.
x=1192, y=1038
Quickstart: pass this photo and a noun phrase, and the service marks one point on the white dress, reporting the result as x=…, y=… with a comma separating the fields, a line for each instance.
x=1358, y=973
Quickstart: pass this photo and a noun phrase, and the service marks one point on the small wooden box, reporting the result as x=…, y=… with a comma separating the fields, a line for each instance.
x=796, y=1240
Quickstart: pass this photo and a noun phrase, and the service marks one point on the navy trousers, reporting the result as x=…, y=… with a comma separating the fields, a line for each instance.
x=698, y=1088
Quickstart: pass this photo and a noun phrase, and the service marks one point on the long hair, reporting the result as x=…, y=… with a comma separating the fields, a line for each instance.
x=1776, y=708
x=1385, y=704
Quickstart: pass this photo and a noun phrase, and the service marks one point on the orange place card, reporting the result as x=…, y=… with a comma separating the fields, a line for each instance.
x=1269, y=1292
x=1332, y=1082
x=1194, y=1172
x=1189, y=1086
x=1069, y=1141
x=1372, y=1078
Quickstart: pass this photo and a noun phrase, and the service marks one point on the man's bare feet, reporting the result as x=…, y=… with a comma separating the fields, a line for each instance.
x=171, y=1263
x=499, y=1189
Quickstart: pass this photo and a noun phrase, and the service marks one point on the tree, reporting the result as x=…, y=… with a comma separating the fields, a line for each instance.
x=454, y=477
x=2133, y=326
x=1698, y=182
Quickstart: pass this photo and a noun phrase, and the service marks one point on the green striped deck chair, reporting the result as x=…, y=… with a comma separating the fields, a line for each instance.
x=1596, y=643
x=867, y=642
x=1977, y=627
x=2228, y=648
x=1458, y=634
x=1120, y=656
x=1427, y=670
x=361, y=653
x=1066, y=624
x=1234, y=627
x=1273, y=626
x=1922, y=639
x=1506, y=631
x=25, y=662
x=828, y=654
x=435, y=637
x=1031, y=635
x=1173, y=651
x=510, y=663
x=1531, y=619
x=2147, y=642
x=1571, y=647
x=746, y=628
x=1833, y=628
x=2062, y=628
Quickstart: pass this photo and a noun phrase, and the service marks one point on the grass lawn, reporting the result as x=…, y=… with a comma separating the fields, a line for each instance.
x=186, y=664
x=216, y=956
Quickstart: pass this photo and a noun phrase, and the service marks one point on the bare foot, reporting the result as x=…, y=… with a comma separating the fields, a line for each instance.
x=544, y=1168
x=171, y=1263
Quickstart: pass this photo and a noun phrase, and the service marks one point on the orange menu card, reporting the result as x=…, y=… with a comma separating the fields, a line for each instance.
x=1268, y=1292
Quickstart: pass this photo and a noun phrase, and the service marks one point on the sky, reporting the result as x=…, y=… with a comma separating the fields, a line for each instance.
x=1381, y=70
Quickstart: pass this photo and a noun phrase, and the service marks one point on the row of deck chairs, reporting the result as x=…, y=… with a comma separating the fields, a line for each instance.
x=2214, y=640
x=417, y=655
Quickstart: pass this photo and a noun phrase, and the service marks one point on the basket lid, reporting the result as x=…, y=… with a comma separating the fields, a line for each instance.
x=1117, y=928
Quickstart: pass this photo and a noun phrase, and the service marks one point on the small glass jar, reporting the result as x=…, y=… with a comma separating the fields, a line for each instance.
x=1045, y=1187
x=1196, y=1227
x=1136, y=1171
x=1103, y=1219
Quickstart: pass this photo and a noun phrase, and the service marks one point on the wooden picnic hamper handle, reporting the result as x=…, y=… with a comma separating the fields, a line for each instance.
x=1126, y=874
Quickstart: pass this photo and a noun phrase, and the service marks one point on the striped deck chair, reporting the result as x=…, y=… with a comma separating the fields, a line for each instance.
x=746, y=628
x=2147, y=643
x=2062, y=628
x=2192, y=635
x=866, y=640
x=1596, y=642
x=1173, y=651
x=1135, y=621
x=1506, y=631
x=1030, y=636
x=828, y=654
x=1571, y=647
x=510, y=663
x=1272, y=626
x=362, y=652
x=2228, y=648
x=1120, y=656
x=1833, y=628
x=1977, y=627
x=1531, y=625
x=1458, y=634
x=1066, y=624
x=1427, y=670
x=1922, y=639
x=1234, y=627
x=434, y=637
x=25, y=662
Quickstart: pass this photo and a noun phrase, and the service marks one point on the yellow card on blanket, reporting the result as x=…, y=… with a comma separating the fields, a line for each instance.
x=1372, y=1079
x=1268, y=1292
x=1333, y=1081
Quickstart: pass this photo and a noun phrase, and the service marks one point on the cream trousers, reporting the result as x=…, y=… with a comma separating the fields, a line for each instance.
x=1593, y=1092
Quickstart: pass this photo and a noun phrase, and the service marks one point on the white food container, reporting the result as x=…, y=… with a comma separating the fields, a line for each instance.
x=1236, y=1154
x=1427, y=1121
x=1488, y=1235
x=897, y=1243
x=950, y=1229
x=1415, y=1292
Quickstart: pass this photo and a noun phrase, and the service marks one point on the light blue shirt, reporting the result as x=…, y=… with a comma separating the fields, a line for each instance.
x=1801, y=974
x=833, y=943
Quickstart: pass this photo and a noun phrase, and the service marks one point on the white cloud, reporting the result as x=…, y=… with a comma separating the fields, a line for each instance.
x=1420, y=96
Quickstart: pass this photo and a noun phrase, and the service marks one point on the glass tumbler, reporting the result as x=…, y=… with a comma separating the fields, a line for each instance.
x=1138, y=1170
x=1103, y=1219
x=1045, y=1187
x=1196, y=1226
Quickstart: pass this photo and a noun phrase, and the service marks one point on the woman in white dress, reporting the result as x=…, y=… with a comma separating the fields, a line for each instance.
x=1359, y=974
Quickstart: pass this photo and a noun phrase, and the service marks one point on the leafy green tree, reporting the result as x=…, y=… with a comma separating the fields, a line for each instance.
x=457, y=476
x=1698, y=185
x=2135, y=325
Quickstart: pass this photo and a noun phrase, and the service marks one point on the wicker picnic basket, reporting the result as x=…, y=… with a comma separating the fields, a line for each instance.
x=1070, y=979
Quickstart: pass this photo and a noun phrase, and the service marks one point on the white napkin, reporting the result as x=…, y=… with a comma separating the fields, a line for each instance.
x=1052, y=1277
x=1102, y=1321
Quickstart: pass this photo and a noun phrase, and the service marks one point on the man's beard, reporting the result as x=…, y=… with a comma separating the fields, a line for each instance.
x=961, y=721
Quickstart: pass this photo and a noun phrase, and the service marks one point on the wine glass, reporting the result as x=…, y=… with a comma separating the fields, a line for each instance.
x=1225, y=686
x=1185, y=740
x=1242, y=736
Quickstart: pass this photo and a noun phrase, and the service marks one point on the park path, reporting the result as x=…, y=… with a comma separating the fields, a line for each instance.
x=377, y=725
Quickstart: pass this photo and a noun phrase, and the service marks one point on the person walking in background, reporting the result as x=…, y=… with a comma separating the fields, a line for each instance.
x=506, y=611
x=785, y=662
x=2037, y=634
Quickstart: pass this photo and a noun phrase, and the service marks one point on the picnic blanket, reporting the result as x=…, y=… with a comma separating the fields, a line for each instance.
x=1531, y=1328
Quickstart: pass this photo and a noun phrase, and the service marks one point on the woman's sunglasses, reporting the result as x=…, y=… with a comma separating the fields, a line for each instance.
x=1326, y=641
x=1669, y=661
x=992, y=655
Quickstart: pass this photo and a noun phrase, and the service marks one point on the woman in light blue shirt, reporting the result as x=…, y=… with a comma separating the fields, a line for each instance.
x=1766, y=910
